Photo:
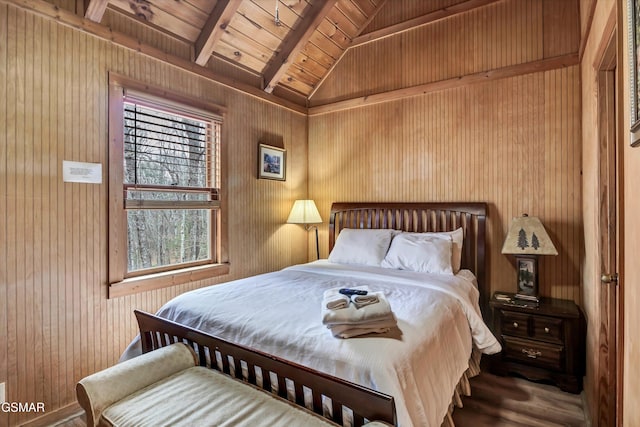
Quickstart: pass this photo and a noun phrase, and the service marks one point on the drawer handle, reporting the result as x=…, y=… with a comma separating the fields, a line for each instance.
x=515, y=324
x=546, y=330
x=532, y=353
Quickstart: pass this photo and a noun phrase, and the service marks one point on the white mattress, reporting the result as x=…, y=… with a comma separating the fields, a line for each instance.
x=419, y=364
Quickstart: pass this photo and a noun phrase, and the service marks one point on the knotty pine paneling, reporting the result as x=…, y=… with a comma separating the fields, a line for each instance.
x=514, y=143
x=56, y=322
x=501, y=34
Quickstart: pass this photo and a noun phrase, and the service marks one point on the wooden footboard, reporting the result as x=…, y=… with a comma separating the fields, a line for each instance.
x=307, y=387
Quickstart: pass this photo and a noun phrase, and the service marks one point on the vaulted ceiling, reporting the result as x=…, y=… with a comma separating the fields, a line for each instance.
x=285, y=47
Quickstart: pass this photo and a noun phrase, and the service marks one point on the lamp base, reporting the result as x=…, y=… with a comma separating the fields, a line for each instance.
x=309, y=227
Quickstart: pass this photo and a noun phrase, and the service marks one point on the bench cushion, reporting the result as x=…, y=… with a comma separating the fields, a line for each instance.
x=98, y=391
x=204, y=397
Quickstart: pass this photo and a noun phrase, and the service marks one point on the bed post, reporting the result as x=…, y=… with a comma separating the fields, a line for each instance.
x=483, y=285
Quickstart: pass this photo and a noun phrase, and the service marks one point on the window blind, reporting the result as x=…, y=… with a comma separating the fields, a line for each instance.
x=170, y=158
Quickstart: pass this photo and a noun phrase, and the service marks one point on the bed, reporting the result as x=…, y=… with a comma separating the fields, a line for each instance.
x=424, y=362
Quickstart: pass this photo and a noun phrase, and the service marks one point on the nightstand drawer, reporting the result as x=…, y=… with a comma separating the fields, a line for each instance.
x=547, y=329
x=516, y=324
x=534, y=352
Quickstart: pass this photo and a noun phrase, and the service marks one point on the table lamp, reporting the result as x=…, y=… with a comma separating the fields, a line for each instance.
x=527, y=239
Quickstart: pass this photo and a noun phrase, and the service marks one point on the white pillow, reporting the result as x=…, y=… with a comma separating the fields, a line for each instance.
x=361, y=246
x=420, y=252
x=457, y=237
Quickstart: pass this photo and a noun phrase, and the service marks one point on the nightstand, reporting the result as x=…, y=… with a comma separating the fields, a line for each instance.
x=544, y=341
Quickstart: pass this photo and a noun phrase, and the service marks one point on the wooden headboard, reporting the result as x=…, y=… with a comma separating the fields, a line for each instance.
x=422, y=217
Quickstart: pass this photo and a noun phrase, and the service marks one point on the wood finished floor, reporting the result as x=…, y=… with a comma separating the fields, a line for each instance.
x=515, y=402
x=498, y=402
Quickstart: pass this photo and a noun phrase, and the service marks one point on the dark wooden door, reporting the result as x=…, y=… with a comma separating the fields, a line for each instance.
x=607, y=374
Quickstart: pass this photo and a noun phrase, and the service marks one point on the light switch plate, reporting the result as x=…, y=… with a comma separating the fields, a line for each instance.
x=2, y=393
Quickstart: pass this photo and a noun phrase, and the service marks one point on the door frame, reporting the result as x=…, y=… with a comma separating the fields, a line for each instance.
x=610, y=345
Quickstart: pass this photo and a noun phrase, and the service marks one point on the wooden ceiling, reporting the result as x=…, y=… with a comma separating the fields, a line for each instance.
x=286, y=47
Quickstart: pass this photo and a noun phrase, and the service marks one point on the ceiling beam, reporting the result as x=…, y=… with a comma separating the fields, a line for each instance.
x=214, y=28
x=411, y=24
x=295, y=42
x=95, y=10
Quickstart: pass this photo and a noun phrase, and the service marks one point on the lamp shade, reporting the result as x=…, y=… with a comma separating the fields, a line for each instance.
x=304, y=212
x=527, y=236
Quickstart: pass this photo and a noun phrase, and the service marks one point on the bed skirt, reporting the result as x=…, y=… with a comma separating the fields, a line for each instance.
x=463, y=388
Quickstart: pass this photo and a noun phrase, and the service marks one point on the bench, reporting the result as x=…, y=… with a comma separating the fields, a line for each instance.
x=186, y=377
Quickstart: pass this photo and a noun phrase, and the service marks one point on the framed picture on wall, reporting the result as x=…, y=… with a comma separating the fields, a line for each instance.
x=634, y=57
x=272, y=163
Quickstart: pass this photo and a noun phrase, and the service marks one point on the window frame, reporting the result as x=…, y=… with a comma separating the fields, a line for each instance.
x=120, y=281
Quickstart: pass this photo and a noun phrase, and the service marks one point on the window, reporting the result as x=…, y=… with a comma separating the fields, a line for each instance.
x=165, y=189
x=170, y=185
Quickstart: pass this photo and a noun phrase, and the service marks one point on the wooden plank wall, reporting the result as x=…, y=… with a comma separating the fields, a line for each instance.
x=56, y=322
x=403, y=10
x=499, y=35
x=514, y=143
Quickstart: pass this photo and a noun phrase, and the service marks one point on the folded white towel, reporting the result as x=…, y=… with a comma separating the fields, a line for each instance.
x=357, y=316
x=334, y=300
x=376, y=327
x=354, y=332
x=384, y=323
x=363, y=300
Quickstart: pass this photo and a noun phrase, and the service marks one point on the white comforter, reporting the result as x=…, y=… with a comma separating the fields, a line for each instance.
x=419, y=364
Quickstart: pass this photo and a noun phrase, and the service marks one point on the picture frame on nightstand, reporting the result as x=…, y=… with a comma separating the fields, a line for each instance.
x=527, y=278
